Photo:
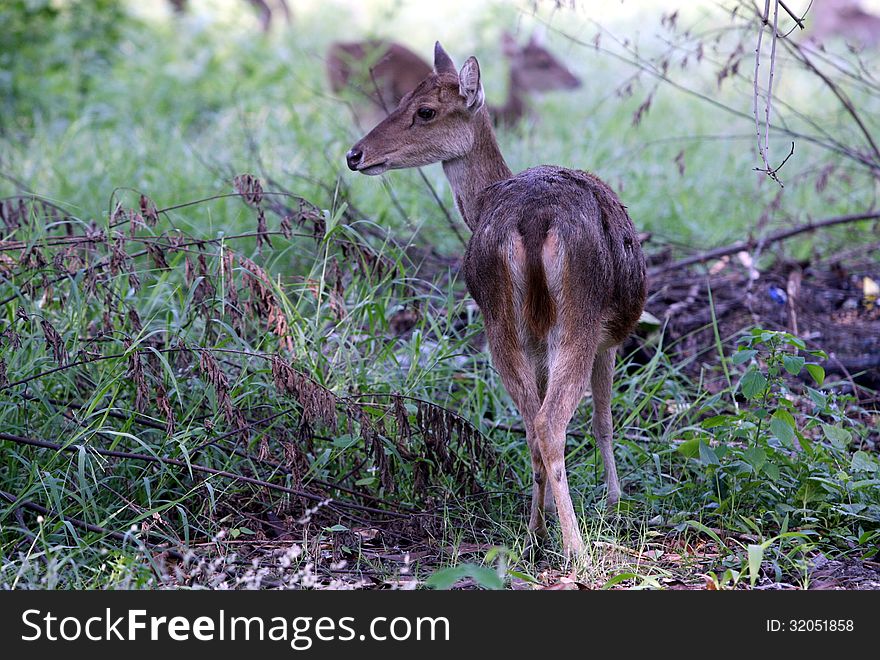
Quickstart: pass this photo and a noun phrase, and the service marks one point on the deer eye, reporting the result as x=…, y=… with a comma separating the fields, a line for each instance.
x=426, y=113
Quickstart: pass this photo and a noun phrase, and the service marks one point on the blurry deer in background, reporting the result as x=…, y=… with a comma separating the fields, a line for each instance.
x=554, y=264
x=263, y=7
x=384, y=72
x=532, y=69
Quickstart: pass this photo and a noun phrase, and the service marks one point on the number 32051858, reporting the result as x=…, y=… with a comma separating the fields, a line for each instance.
x=810, y=625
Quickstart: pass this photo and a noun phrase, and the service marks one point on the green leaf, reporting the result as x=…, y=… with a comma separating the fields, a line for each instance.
x=782, y=425
x=786, y=417
x=793, y=364
x=446, y=578
x=522, y=576
x=753, y=384
x=756, y=556
x=344, y=441
x=862, y=461
x=336, y=528
x=838, y=436
x=809, y=492
x=756, y=457
x=711, y=533
x=708, y=455
x=818, y=398
x=743, y=356
x=620, y=577
x=332, y=221
x=817, y=372
x=648, y=321
x=714, y=421
x=690, y=448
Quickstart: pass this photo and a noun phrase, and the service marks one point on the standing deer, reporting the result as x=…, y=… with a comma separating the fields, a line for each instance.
x=554, y=264
x=384, y=72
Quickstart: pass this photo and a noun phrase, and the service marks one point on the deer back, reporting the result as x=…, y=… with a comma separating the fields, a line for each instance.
x=572, y=225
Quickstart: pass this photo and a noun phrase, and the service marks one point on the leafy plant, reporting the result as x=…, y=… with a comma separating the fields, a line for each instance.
x=484, y=576
x=781, y=457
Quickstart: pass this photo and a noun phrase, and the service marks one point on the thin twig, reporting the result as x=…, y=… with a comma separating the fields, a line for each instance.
x=794, y=17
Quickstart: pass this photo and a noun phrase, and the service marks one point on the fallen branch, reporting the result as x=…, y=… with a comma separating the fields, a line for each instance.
x=775, y=237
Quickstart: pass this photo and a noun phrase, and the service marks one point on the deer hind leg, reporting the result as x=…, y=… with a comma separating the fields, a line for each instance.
x=571, y=364
x=514, y=368
x=603, y=374
x=517, y=374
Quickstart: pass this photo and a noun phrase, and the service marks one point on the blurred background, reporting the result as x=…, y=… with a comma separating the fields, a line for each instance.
x=161, y=89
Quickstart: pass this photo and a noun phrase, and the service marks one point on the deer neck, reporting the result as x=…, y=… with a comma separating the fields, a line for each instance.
x=475, y=171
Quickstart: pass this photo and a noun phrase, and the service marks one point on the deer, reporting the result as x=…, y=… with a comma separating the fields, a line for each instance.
x=384, y=72
x=262, y=7
x=554, y=264
x=532, y=68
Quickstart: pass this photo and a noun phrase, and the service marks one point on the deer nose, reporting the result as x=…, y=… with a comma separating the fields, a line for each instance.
x=353, y=158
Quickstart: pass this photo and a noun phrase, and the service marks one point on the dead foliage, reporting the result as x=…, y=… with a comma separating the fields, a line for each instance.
x=823, y=301
x=413, y=448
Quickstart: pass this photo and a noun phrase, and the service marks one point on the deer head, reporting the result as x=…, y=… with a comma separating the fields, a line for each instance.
x=435, y=122
x=533, y=68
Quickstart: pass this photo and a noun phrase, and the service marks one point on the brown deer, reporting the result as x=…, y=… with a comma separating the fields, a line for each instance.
x=381, y=71
x=532, y=69
x=384, y=72
x=554, y=264
x=263, y=8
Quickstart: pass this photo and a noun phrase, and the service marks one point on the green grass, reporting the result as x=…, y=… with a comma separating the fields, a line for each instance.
x=409, y=421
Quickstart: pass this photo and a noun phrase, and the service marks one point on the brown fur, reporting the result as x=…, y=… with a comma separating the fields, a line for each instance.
x=381, y=71
x=539, y=308
x=554, y=264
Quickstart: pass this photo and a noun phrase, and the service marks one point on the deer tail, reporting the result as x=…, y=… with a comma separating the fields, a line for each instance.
x=539, y=306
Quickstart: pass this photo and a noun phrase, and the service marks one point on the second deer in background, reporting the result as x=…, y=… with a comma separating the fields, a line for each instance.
x=383, y=72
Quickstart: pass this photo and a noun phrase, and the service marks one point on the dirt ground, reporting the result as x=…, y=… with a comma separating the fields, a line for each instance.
x=824, y=303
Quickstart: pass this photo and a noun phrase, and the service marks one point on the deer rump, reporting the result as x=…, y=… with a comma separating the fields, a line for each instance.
x=559, y=256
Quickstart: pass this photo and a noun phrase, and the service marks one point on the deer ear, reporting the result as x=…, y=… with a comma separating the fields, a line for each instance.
x=442, y=62
x=469, y=85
